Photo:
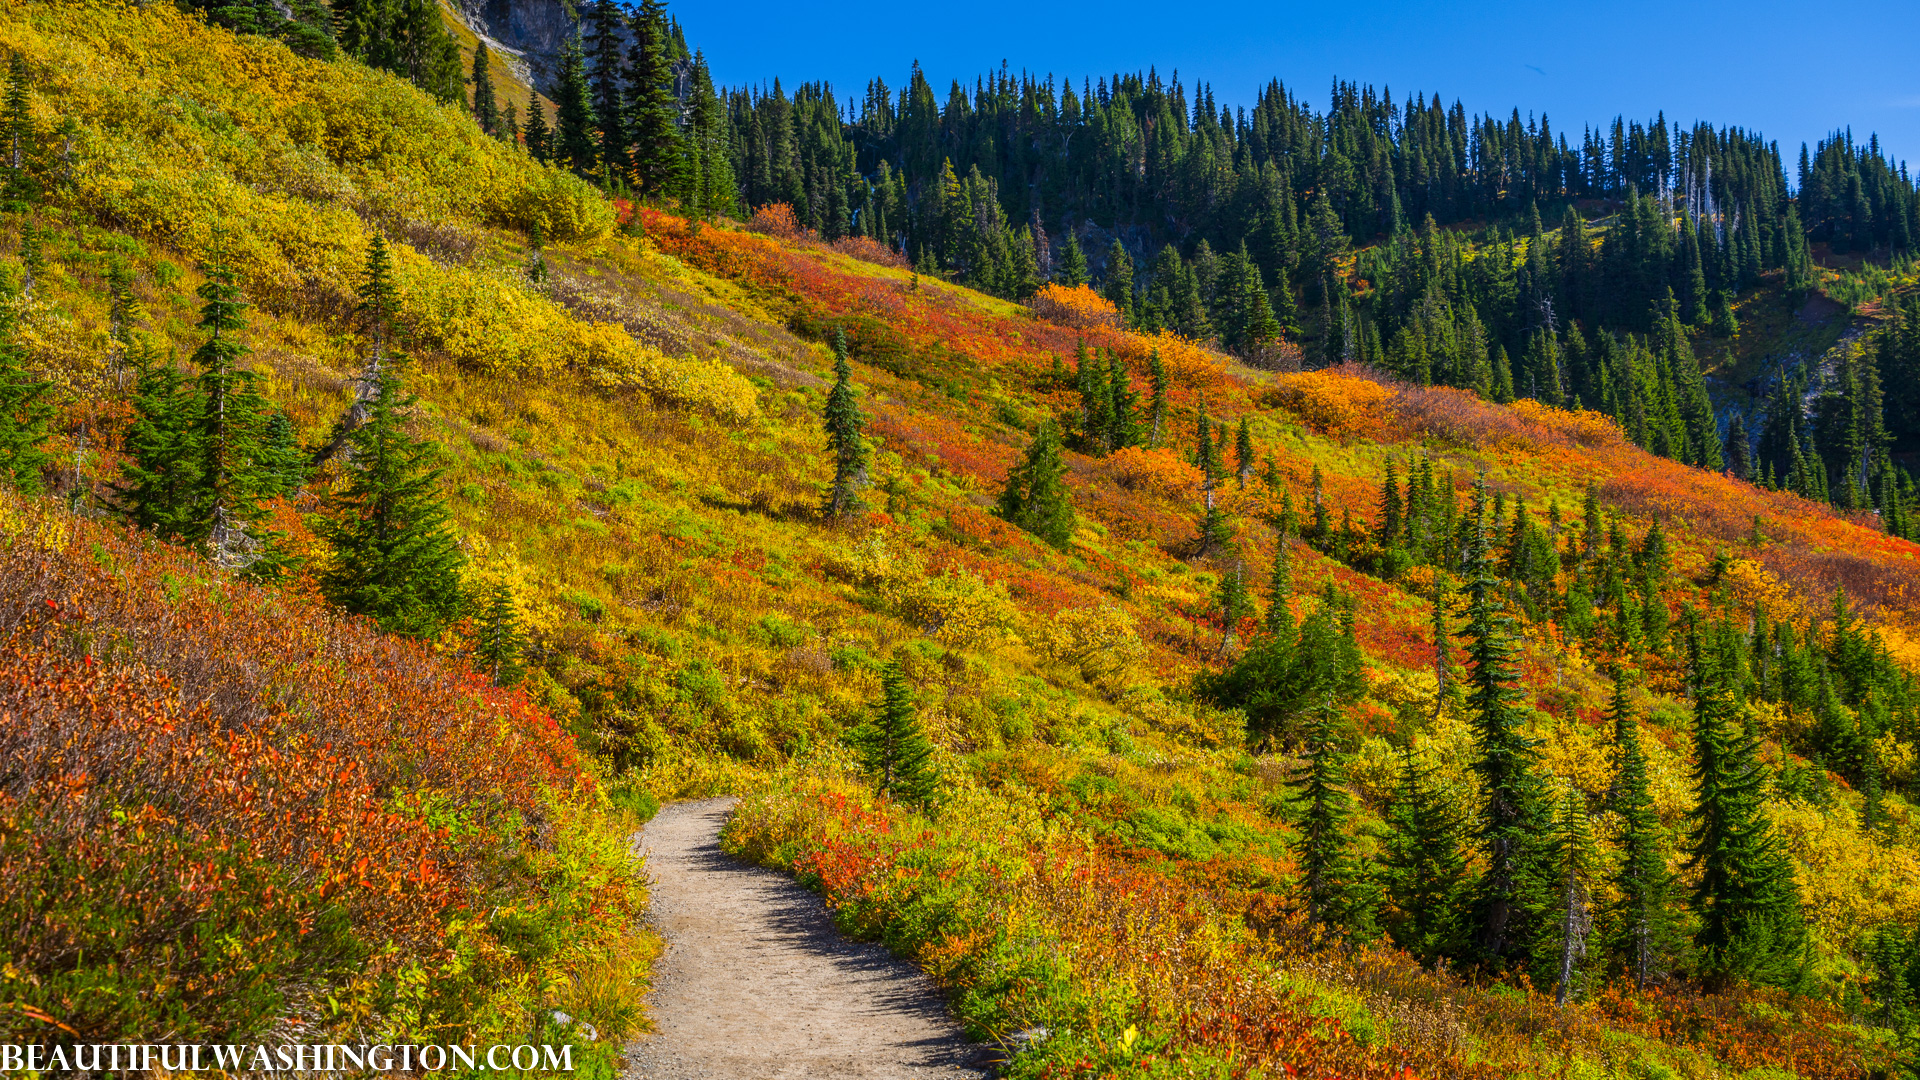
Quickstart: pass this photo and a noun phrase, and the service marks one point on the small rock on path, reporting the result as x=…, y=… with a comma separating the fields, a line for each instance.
x=757, y=984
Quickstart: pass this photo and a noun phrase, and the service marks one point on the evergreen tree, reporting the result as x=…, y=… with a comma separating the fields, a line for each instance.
x=1036, y=496
x=652, y=113
x=1119, y=286
x=1511, y=818
x=485, y=110
x=1073, y=263
x=539, y=137
x=710, y=181
x=846, y=435
x=160, y=479
x=395, y=558
x=1213, y=520
x=499, y=644
x=1157, y=376
x=229, y=427
x=575, y=141
x=1123, y=428
x=21, y=189
x=1574, y=860
x=25, y=409
x=1234, y=603
x=1335, y=887
x=1641, y=922
x=1243, y=453
x=1746, y=899
x=891, y=745
x=1426, y=868
x=606, y=24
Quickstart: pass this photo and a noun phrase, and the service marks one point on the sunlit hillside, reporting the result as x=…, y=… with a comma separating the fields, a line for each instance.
x=626, y=405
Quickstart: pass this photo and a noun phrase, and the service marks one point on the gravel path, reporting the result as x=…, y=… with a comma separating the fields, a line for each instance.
x=756, y=984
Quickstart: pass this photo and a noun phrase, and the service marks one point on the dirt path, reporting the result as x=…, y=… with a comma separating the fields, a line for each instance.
x=756, y=983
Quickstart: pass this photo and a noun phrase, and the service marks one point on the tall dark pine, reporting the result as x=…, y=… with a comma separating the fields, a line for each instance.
x=652, y=113
x=1213, y=519
x=21, y=188
x=606, y=26
x=1073, y=263
x=1334, y=885
x=160, y=478
x=539, y=136
x=1641, y=922
x=846, y=436
x=499, y=644
x=25, y=409
x=395, y=558
x=576, y=138
x=1426, y=869
x=1746, y=899
x=229, y=428
x=1510, y=892
x=485, y=110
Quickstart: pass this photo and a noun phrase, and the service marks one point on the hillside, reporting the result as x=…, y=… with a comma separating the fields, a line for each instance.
x=626, y=404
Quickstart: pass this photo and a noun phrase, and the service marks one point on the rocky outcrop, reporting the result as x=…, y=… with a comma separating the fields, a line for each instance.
x=529, y=32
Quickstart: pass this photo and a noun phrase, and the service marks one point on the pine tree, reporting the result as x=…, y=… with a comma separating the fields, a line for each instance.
x=1575, y=860
x=21, y=188
x=1213, y=521
x=539, y=137
x=1746, y=898
x=485, y=111
x=1511, y=818
x=1119, y=286
x=1426, y=869
x=1073, y=263
x=1243, y=453
x=891, y=745
x=229, y=427
x=575, y=141
x=1335, y=887
x=652, y=114
x=499, y=644
x=605, y=24
x=1234, y=603
x=846, y=436
x=395, y=558
x=711, y=188
x=161, y=477
x=1036, y=496
x=25, y=410
x=1641, y=922
x=1123, y=427
x=1157, y=376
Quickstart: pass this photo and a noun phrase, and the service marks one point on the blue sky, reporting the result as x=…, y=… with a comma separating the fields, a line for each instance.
x=1793, y=71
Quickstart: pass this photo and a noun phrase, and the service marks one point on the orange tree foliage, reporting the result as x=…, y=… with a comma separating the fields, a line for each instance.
x=255, y=809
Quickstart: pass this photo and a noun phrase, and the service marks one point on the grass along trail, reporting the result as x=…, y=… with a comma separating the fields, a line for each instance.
x=757, y=984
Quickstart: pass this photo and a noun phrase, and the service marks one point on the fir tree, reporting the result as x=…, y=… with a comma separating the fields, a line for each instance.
x=1243, y=453
x=1073, y=263
x=539, y=137
x=21, y=189
x=1234, y=603
x=395, y=558
x=1745, y=898
x=846, y=436
x=891, y=745
x=1213, y=520
x=652, y=114
x=25, y=409
x=1426, y=869
x=605, y=25
x=485, y=110
x=710, y=181
x=1036, y=496
x=160, y=479
x=498, y=642
x=1511, y=817
x=1575, y=860
x=1640, y=919
x=1334, y=886
x=1123, y=428
x=33, y=263
x=1157, y=376
x=1119, y=286
x=229, y=427
x=575, y=141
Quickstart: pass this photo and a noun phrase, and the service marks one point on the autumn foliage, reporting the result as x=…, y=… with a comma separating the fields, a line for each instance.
x=1077, y=306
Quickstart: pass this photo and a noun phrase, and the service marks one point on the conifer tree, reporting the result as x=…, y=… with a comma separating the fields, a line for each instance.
x=891, y=745
x=1426, y=868
x=33, y=263
x=1334, y=886
x=1286, y=313
x=846, y=435
x=485, y=110
x=1073, y=262
x=1157, y=376
x=1119, y=286
x=1279, y=621
x=229, y=426
x=1213, y=521
x=499, y=644
x=1036, y=496
x=21, y=188
x=1642, y=924
x=161, y=477
x=1575, y=861
x=1746, y=899
x=539, y=136
x=1096, y=401
x=25, y=409
x=1123, y=427
x=1234, y=602
x=575, y=141
x=395, y=558
x=1510, y=891
x=652, y=114
x=605, y=25
x=1243, y=453
x=711, y=188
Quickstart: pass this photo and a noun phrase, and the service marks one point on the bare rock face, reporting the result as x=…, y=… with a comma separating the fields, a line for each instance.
x=529, y=32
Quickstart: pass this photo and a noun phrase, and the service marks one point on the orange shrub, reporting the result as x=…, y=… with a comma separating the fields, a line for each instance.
x=1335, y=402
x=776, y=219
x=867, y=249
x=1162, y=471
x=1077, y=306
